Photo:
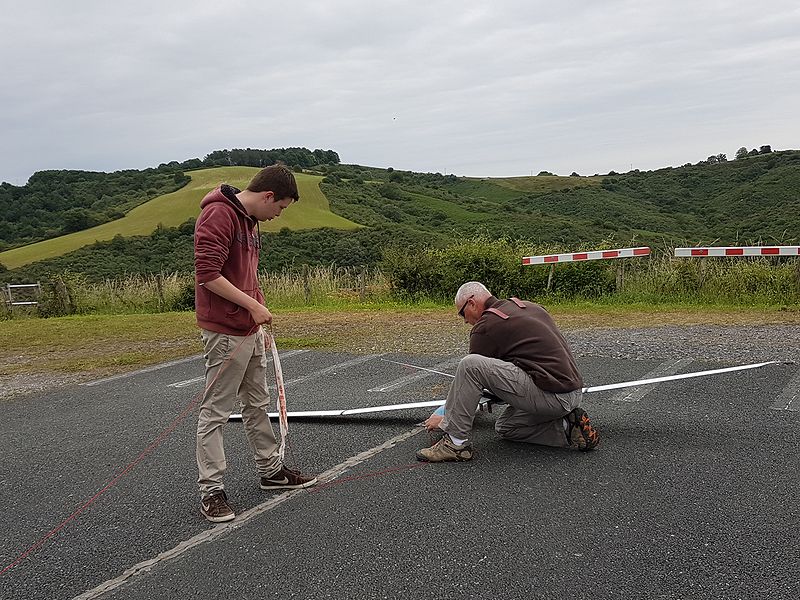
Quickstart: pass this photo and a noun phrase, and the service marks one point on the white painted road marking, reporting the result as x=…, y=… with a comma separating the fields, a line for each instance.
x=144, y=567
x=145, y=370
x=180, y=384
x=669, y=367
x=788, y=400
x=333, y=368
x=400, y=382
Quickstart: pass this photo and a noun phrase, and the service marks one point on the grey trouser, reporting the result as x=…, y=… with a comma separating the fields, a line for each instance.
x=235, y=367
x=532, y=415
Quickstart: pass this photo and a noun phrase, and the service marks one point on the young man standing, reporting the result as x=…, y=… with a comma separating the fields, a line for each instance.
x=230, y=311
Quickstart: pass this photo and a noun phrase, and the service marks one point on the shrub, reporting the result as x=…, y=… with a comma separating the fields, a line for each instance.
x=437, y=273
x=184, y=300
x=58, y=297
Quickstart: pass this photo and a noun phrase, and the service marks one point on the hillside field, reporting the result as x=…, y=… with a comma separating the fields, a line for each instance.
x=170, y=210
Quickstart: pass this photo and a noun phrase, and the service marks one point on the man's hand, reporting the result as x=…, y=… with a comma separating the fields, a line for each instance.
x=433, y=422
x=222, y=287
x=261, y=315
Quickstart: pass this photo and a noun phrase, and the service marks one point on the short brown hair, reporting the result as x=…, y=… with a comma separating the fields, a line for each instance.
x=277, y=179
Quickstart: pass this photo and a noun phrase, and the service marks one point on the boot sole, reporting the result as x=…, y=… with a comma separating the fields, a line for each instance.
x=288, y=486
x=224, y=519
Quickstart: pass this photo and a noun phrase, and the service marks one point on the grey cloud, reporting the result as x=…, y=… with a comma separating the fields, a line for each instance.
x=470, y=88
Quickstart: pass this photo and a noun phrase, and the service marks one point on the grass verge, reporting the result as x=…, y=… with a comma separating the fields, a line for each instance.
x=99, y=345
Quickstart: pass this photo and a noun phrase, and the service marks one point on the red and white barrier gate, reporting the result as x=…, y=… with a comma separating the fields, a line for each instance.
x=738, y=251
x=592, y=255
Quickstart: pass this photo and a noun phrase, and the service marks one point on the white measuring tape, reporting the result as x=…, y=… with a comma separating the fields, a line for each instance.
x=624, y=384
x=283, y=414
x=283, y=419
x=431, y=403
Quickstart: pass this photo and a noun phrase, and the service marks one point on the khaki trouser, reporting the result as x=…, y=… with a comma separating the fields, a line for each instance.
x=532, y=415
x=235, y=367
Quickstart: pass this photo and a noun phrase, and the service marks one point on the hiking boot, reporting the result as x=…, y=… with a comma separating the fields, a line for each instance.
x=445, y=450
x=287, y=479
x=216, y=509
x=581, y=435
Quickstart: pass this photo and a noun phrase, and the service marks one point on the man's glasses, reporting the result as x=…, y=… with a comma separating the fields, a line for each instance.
x=461, y=312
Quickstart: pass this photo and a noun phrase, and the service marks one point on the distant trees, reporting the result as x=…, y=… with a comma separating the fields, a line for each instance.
x=77, y=219
x=717, y=158
x=253, y=157
x=743, y=153
x=56, y=202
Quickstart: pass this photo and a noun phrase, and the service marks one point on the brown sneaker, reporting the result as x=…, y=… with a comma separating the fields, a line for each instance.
x=216, y=509
x=581, y=435
x=445, y=450
x=287, y=479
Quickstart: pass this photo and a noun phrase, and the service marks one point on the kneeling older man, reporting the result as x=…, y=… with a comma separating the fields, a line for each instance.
x=518, y=354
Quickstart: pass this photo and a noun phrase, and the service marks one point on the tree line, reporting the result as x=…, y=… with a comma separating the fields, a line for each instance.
x=253, y=157
x=740, y=154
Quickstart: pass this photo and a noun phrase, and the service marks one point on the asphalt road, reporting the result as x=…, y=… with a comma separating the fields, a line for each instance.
x=693, y=493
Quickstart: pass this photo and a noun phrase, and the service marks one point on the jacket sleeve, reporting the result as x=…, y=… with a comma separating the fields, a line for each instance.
x=213, y=237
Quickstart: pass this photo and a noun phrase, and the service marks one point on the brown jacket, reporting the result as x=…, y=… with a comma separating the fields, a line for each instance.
x=529, y=338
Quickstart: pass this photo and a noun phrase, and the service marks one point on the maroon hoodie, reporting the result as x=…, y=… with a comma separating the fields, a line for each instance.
x=226, y=243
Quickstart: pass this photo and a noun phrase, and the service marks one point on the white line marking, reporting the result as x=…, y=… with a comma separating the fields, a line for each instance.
x=217, y=531
x=314, y=413
x=180, y=384
x=145, y=370
x=400, y=382
x=333, y=368
x=402, y=364
x=186, y=382
x=788, y=398
x=669, y=367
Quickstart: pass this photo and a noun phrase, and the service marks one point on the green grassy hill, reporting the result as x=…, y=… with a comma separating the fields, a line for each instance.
x=747, y=201
x=170, y=210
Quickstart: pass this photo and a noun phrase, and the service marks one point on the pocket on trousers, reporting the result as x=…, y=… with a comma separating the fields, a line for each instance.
x=217, y=347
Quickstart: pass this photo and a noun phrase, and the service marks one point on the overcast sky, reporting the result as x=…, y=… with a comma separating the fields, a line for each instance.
x=494, y=88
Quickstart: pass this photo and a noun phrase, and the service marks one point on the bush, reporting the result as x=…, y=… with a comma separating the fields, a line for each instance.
x=591, y=279
x=184, y=300
x=57, y=297
x=436, y=274
x=390, y=191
